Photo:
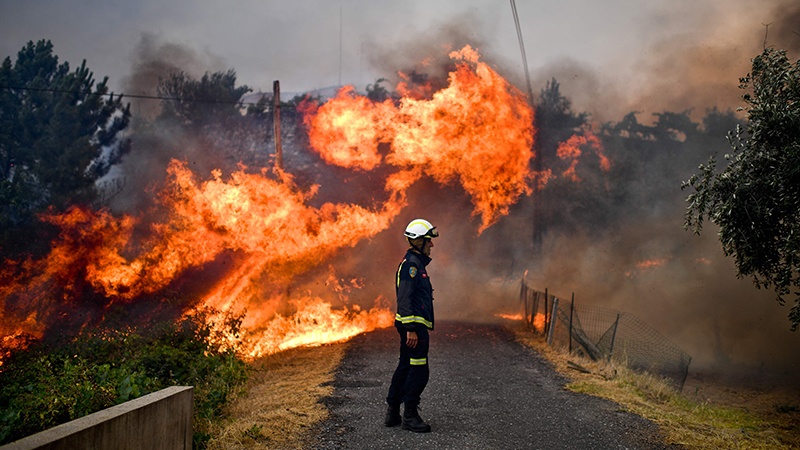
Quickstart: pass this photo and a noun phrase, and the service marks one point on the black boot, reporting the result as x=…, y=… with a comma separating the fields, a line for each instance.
x=392, y=416
x=413, y=422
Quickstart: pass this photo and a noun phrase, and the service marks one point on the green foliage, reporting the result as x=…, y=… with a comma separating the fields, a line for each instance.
x=211, y=100
x=755, y=199
x=55, y=125
x=49, y=385
x=555, y=120
x=206, y=120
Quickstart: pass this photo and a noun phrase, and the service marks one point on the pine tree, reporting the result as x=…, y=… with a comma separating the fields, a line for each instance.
x=59, y=133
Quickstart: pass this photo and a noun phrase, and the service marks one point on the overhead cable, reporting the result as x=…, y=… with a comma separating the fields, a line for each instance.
x=145, y=97
x=522, y=50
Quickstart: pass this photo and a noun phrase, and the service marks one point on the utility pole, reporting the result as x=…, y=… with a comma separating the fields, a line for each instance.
x=536, y=197
x=276, y=121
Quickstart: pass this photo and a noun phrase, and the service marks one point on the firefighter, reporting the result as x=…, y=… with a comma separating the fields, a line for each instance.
x=413, y=320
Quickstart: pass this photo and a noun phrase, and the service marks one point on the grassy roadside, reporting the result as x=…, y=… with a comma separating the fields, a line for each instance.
x=280, y=401
x=761, y=421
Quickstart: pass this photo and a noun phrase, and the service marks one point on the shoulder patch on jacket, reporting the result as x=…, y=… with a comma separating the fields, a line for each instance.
x=412, y=271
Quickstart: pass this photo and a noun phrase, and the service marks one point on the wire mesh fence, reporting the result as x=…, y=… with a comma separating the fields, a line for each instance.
x=604, y=334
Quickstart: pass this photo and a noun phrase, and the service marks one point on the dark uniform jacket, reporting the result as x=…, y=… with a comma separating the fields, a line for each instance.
x=414, y=293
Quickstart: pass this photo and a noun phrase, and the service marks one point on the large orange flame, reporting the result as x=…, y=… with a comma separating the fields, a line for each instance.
x=478, y=131
x=265, y=223
x=314, y=322
x=349, y=129
x=249, y=213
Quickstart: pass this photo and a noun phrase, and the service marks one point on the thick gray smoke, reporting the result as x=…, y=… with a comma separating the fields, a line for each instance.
x=155, y=60
x=427, y=53
x=641, y=261
x=693, y=69
x=693, y=295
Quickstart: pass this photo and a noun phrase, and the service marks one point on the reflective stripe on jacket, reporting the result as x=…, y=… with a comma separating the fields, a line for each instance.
x=414, y=292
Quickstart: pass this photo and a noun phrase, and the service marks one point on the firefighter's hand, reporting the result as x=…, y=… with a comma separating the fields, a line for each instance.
x=411, y=339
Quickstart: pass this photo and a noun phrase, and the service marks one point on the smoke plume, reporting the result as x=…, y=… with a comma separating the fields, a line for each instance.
x=692, y=294
x=633, y=256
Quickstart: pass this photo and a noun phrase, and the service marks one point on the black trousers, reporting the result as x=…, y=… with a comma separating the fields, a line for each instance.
x=411, y=375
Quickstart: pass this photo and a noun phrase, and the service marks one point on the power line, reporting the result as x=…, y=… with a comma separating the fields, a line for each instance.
x=144, y=97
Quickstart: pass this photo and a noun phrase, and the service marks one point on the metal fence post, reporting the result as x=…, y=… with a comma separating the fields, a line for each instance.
x=613, y=337
x=546, y=324
x=531, y=296
x=652, y=348
x=552, y=316
x=523, y=298
x=571, y=312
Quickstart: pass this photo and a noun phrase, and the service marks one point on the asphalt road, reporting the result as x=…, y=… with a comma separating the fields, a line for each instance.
x=486, y=391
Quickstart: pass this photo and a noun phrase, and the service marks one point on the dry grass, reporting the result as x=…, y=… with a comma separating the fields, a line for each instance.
x=280, y=403
x=281, y=400
x=707, y=417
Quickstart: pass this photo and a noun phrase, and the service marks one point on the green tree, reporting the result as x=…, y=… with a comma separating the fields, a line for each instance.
x=214, y=99
x=755, y=199
x=206, y=117
x=59, y=133
x=555, y=122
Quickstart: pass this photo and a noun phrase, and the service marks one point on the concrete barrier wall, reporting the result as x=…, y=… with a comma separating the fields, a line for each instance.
x=161, y=420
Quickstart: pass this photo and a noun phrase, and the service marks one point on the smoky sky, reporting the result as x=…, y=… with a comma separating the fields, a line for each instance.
x=619, y=50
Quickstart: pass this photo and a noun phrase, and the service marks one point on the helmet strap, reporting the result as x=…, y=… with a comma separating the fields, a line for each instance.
x=418, y=249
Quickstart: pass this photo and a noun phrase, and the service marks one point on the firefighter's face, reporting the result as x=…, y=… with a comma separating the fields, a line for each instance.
x=427, y=245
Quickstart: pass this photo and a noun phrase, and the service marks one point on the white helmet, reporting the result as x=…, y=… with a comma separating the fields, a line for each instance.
x=420, y=228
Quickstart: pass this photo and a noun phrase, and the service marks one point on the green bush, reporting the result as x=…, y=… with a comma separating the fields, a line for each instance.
x=46, y=385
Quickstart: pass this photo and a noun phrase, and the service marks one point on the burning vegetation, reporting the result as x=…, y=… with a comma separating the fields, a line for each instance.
x=237, y=243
